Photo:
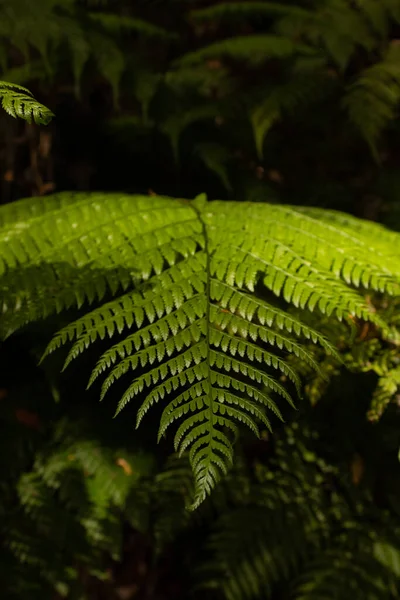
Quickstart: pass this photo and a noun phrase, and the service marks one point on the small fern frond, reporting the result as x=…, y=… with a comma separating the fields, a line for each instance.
x=17, y=101
x=199, y=301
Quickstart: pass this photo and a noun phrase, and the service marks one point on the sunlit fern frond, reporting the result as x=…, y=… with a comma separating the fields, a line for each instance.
x=17, y=101
x=194, y=297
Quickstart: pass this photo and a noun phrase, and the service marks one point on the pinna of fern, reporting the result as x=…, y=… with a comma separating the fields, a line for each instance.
x=194, y=298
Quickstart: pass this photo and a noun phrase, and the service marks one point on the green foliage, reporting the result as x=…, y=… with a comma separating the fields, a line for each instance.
x=372, y=100
x=200, y=295
x=293, y=522
x=17, y=101
x=58, y=31
x=69, y=510
x=297, y=524
x=334, y=31
x=269, y=67
x=254, y=49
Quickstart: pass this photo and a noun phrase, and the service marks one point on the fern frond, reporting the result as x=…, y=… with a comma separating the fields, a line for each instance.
x=343, y=571
x=215, y=157
x=338, y=26
x=17, y=101
x=69, y=505
x=269, y=534
x=226, y=10
x=372, y=100
x=300, y=90
x=314, y=542
x=109, y=58
x=175, y=124
x=253, y=49
x=115, y=23
x=201, y=294
x=56, y=25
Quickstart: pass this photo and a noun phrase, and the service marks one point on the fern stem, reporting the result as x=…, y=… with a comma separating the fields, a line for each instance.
x=198, y=500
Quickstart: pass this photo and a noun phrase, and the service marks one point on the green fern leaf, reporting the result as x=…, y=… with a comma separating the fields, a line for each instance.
x=17, y=101
x=199, y=297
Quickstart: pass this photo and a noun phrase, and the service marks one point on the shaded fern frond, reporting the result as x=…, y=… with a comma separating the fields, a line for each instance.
x=175, y=124
x=68, y=507
x=225, y=10
x=350, y=570
x=215, y=158
x=114, y=23
x=300, y=90
x=253, y=49
x=58, y=25
x=373, y=99
x=17, y=101
x=296, y=524
x=198, y=296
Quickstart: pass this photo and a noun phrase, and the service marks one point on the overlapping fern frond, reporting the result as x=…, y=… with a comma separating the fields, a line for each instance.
x=194, y=298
